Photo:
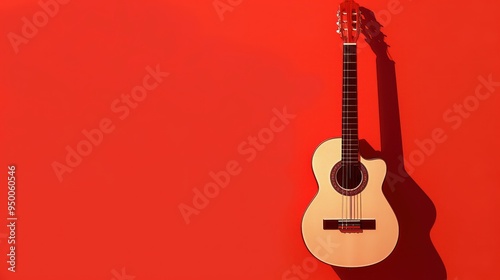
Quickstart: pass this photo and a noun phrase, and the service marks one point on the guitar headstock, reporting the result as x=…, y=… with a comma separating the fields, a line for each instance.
x=349, y=21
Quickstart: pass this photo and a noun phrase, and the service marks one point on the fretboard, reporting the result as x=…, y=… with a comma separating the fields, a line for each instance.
x=350, y=141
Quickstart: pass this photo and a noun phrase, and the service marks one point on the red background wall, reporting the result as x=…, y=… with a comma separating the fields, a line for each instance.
x=119, y=207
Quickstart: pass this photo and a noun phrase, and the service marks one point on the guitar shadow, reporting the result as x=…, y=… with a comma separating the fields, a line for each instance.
x=414, y=256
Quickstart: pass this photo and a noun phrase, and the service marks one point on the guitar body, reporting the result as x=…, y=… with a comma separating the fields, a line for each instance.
x=348, y=248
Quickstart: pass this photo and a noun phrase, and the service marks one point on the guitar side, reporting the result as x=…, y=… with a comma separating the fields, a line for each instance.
x=340, y=248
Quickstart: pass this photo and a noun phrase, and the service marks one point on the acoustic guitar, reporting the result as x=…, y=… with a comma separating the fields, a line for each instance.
x=349, y=212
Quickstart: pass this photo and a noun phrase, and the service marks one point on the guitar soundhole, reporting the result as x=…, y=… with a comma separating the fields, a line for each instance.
x=349, y=179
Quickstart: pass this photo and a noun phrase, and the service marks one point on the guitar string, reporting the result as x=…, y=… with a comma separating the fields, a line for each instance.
x=346, y=146
x=343, y=146
x=348, y=127
x=349, y=136
x=356, y=100
x=349, y=152
x=346, y=81
x=351, y=59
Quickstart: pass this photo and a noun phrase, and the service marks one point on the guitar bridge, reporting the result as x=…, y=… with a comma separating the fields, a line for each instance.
x=349, y=224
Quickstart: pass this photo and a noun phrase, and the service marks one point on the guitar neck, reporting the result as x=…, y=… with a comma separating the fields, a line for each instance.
x=350, y=140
